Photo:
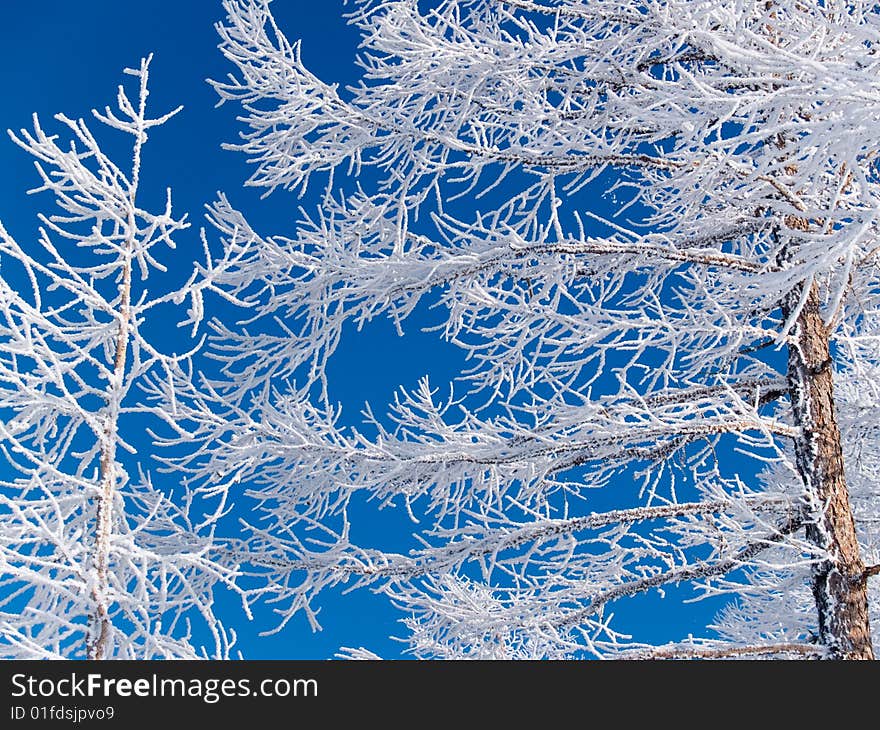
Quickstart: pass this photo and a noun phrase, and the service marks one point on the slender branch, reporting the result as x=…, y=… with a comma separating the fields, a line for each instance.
x=569, y=11
x=402, y=566
x=570, y=163
x=807, y=650
x=707, y=258
x=693, y=251
x=691, y=572
x=586, y=450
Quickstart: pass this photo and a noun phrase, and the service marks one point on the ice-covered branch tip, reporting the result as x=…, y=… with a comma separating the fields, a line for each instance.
x=136, y=122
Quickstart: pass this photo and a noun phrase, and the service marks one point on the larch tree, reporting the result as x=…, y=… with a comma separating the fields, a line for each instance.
x=96, y=561
x=651, y=226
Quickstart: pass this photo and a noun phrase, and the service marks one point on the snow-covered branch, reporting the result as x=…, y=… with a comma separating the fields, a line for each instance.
x=97, y=562
x=651, y=228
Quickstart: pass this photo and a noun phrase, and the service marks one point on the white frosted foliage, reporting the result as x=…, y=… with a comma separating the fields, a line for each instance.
x=618, y=211
x=97, y=561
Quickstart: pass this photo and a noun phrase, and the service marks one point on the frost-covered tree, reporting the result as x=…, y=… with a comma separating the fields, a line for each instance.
x=95, y=561
x=651, y=226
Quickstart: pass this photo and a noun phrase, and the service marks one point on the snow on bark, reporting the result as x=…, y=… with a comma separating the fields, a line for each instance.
x=839, y=587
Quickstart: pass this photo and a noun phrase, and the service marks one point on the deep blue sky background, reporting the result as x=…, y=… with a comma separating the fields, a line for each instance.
x=58, y=55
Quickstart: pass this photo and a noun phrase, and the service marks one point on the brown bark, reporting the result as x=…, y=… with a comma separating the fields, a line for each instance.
x=838, y=586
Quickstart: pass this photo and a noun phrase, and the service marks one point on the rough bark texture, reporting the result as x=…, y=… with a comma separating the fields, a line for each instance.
x=839, y=587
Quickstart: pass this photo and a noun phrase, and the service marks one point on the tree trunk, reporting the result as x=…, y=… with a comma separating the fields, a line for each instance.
x=839, y=586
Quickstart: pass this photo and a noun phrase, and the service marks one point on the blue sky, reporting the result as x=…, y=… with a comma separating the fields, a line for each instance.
x=62, y=56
